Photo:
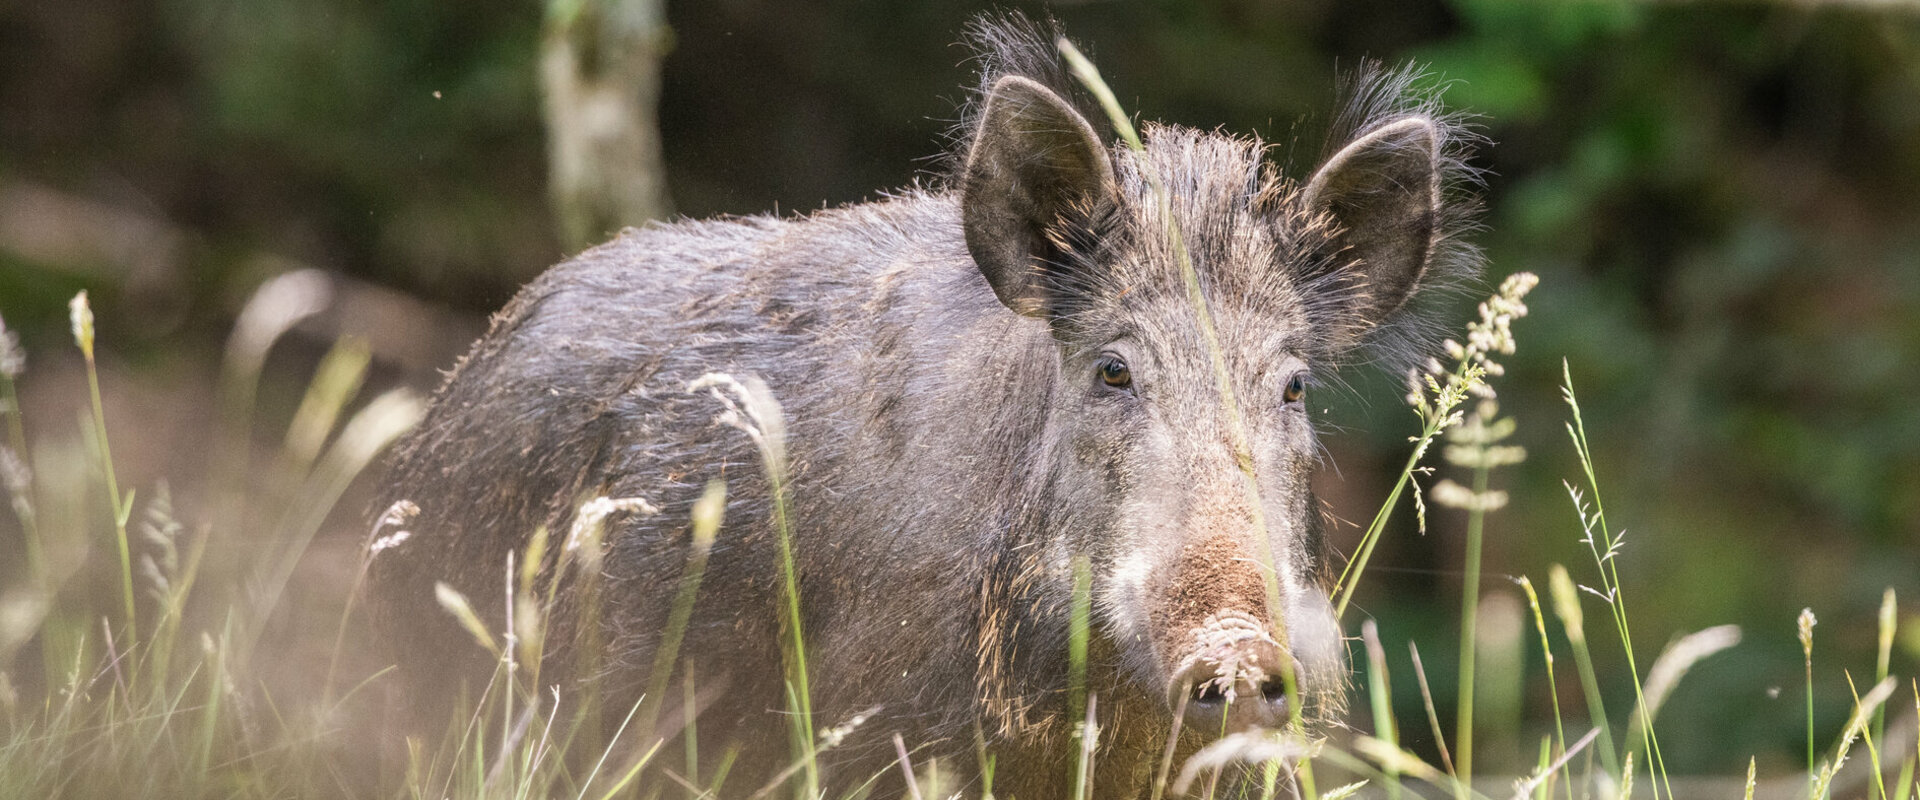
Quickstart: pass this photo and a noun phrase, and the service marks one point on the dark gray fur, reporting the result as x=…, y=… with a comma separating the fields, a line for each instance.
x=949, y=456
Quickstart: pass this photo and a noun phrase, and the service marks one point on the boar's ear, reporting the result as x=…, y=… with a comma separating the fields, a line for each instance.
x=1034, y=160
x=1383, y=192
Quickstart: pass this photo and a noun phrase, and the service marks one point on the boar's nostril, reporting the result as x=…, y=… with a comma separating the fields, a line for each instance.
x=1209, y=709
x=1208, y=693
x=1274, y=689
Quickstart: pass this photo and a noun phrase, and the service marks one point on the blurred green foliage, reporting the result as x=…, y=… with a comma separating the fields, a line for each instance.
x=1723, y=200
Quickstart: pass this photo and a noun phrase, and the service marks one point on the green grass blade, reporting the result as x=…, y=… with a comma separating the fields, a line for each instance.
x=1566, y=606
x=1380, y=697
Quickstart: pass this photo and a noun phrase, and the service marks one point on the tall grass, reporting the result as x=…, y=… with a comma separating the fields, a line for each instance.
x=146, y=692
x=1558, y=744
x=752, y=408
x=82, y=315
x=1477, y=447
x=173, y=690
x=1605, y=544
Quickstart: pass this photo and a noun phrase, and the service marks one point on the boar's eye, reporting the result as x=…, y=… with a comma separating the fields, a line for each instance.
x=1296, y=389
x=1114, y=373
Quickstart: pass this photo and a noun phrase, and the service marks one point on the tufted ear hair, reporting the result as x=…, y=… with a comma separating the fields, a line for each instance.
x=1034, y=161
x=1382, y=191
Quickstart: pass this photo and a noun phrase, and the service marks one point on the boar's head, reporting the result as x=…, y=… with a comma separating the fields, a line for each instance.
x=1199, y=297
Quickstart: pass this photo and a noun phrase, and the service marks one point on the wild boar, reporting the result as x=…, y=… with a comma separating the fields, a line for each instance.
x=986, y=382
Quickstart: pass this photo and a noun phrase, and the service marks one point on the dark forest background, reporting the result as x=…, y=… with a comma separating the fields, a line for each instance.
x=1722, y=200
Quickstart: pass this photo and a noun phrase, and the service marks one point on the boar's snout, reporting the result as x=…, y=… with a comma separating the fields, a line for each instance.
x=1233, y=651
x=1235, y=679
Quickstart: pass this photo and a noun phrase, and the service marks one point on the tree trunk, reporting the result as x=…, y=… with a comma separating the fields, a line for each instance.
x=600, y=71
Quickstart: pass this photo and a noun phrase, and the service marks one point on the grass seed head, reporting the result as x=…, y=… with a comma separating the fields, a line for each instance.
x=456, y=604
x=589, y=525
x=396, y=517
x=13, y=359
x=82, y=317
